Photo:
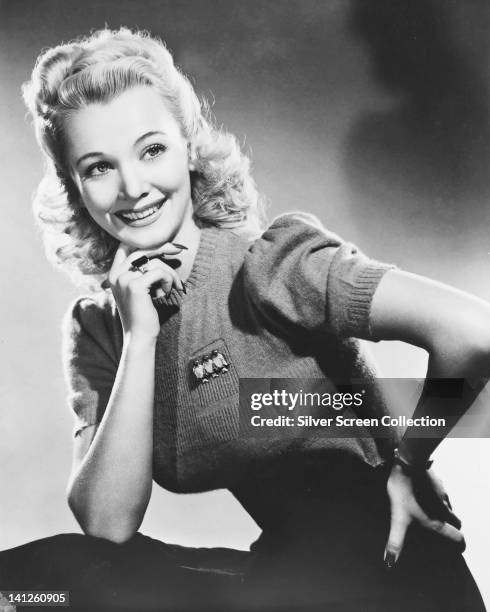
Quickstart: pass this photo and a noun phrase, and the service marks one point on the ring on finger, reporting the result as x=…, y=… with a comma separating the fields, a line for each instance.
x=140, y=264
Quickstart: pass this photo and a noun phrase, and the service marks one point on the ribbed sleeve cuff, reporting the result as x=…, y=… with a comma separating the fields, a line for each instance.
x=358, y=313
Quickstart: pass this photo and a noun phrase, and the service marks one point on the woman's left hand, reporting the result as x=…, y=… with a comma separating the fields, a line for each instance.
x=423, y=500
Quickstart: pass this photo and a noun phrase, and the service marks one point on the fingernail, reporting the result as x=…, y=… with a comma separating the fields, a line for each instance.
x=161, y=257
x=180, y=246
x=390, y=559
x=140, y=261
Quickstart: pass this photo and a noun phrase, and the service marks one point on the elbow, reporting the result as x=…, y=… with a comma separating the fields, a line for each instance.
x=481, y=346
x=115, y=529
x=477, y=363
x=463, y=355
x=114, y=535
x=117, y=532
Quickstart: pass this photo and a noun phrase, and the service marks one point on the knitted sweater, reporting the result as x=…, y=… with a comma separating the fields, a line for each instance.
x=289, y=304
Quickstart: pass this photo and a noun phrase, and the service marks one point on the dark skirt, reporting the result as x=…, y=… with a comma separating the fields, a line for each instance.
x=323, y=553
x=324, y=550
x=141, y=574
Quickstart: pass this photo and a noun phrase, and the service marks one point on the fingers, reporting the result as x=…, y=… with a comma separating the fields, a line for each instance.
x=438, y=507
x=445, y=530
x=123, y=265
x=434, y=500
x=155, y=276
x=169, y=248
x=156, y=272
x=122, y=253
x=421, y=501
x=446, y=513
x=452, y=519
x=398, y=531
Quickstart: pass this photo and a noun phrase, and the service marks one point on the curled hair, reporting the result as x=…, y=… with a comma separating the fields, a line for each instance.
x=95, y=69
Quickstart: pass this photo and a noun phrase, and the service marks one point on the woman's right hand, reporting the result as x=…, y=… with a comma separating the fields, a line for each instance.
x=131, y=289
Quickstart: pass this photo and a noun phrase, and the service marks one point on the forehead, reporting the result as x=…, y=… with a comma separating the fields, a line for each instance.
x=118, y=123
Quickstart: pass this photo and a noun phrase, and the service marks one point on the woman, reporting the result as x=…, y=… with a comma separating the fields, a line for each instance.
x=145, y=197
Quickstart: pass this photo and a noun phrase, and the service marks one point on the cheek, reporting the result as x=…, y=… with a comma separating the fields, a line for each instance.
x=171, y=174
x=99, y=197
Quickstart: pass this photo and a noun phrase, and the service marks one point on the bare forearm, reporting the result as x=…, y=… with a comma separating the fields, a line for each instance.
x=453, y=326
x=455, y=377
x=110, y=492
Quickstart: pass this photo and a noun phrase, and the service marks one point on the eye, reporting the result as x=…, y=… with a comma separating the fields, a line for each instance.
x=97, y=169
x=154, y=150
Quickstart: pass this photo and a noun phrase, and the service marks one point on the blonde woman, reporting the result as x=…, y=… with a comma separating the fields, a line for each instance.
x=155, y=210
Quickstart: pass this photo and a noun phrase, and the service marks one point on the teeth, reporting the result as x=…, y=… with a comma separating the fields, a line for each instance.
x=133, y=216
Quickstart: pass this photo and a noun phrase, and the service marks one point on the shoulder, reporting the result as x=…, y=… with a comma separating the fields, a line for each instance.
x=297, y=221
x=285, y=233
x=286, y=269
x=301, y=273
x=290, y=239
x=294, y=227
x=92, y=321
x=92, y=312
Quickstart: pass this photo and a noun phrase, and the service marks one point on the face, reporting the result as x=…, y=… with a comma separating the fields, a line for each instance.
x=129, y=161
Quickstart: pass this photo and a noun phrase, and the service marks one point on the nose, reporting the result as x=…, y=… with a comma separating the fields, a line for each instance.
x=132, y=184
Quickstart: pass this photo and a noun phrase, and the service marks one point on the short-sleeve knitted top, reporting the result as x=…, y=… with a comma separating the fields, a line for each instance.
x=290, y=304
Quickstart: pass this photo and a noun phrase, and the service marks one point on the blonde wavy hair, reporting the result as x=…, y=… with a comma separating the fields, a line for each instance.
x=97, y=68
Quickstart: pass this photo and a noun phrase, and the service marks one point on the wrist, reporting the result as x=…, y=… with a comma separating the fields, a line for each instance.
x=133, y=341
x=410, y=465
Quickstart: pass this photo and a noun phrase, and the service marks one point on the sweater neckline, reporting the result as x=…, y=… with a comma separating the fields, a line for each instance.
x=201, y=267
x=203, y=260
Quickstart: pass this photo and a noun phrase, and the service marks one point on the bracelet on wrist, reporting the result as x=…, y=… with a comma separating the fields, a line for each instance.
x=409, y=468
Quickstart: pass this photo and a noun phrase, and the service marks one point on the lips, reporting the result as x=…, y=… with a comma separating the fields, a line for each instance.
x=145, y=213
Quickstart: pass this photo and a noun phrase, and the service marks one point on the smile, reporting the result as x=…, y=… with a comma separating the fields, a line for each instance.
x=141, y=217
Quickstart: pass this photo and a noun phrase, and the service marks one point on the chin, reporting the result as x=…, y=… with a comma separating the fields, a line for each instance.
x=143, y=244
x=149, y=237
x=149, y=241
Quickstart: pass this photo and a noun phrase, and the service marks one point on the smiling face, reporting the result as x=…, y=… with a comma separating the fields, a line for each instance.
x=130, y=163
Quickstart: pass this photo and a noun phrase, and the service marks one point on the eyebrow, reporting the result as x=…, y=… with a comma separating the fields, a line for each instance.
x=137, y=141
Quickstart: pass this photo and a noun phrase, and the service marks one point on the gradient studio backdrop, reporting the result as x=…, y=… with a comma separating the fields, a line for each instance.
x=371, y=114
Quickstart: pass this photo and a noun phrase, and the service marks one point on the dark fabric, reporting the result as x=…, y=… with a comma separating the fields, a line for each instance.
x=326, y=547
x=322, y=550
x=142, y=574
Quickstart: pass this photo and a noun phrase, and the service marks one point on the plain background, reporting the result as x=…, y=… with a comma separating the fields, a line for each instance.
x=371, y=114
